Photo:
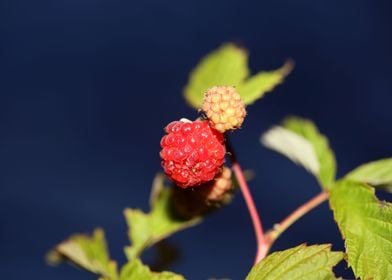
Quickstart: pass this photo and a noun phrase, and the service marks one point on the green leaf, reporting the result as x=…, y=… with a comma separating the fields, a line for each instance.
x=366, y=225
x=226, y=66
x=299, y=140
x=148, y=229
x=90, y=253
x=299, y=263
x=377, y=173
x=265, y=81
x=293, y=146
x=136, y=270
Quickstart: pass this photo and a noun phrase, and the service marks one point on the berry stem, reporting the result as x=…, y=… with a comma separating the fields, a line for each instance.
x=262, y=246
x=278, y=229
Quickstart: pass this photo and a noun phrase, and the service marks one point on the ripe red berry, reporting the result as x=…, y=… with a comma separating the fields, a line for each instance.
x=192, y=152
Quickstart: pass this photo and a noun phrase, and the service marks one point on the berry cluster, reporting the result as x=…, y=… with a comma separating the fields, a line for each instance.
x=193, y=152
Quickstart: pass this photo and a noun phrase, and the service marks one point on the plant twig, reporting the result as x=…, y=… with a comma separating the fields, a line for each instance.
x=278, y=229
x=262, y=246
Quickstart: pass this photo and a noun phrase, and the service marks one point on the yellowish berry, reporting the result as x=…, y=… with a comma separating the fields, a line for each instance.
x=224, y=108
x=220, y=189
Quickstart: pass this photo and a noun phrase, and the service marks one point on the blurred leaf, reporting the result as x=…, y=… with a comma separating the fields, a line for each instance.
x=259, y=84
x=148, y=229
x=366, y=225
x=136, y=270
x=325, y=155
x=90, y=253
x=293, y=146
x=302, y=262
x=299, y=140
x=377, y=173
x=158, y=185
x=226, y=66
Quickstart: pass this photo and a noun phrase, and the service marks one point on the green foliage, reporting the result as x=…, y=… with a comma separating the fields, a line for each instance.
x=89, y=253
x=302, y=262
x=364, y=221
x=300, y=140
x=377, y=173
x=136, y=270
x=366, y=225
x=228, y=66
x=263, y=82
x=325, y=155
x=148, y=229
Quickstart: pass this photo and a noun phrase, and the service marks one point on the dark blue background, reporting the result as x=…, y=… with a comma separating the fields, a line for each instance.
x=87, y=86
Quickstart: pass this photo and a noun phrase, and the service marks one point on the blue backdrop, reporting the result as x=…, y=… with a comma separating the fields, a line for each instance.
x=87, y=86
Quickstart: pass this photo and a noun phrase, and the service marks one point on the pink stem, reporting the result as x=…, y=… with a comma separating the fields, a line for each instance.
x=262, y=247
x=273, y=234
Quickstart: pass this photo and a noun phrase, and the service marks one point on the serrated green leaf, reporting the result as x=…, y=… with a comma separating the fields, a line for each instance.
x=226, y=66
x=259, y=84
x=300, y=140
x=366, y=225
x=147, y=229
x=136, y=270
x=299, y=263
x=90, y=253
x=377, y=173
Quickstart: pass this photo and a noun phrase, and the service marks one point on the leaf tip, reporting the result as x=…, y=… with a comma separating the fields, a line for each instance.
x=287, y=67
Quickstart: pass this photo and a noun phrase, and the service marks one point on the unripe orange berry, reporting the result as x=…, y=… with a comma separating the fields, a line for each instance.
x=224, y=108
x=219, y=189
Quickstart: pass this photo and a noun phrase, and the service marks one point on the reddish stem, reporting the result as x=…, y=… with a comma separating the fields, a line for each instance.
x=278, y=229
x=262, y=246
x=265, y=241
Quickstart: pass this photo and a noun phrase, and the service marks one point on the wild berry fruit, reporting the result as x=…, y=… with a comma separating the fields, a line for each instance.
x=224, y=108
x=218, y=190
x=192, y=152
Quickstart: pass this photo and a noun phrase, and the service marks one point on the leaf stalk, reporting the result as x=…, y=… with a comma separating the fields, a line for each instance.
x=278, y=229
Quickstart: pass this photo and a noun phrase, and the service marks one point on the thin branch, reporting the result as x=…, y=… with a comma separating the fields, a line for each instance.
x=278, y=229
x=262, y=246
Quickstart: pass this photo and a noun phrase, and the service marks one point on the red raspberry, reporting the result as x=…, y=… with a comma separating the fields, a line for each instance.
x=192, y=152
